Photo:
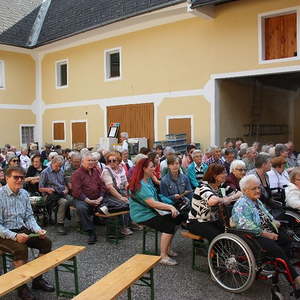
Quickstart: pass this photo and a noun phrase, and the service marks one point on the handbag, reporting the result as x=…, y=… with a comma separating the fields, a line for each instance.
x=113, y=205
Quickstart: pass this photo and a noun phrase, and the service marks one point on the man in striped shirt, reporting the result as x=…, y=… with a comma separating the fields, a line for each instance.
x=19, y=230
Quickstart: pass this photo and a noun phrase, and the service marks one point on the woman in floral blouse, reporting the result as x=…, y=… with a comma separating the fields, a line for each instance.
x=250, y=214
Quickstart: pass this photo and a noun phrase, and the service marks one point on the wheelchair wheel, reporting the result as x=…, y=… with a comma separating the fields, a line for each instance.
x=231, y=263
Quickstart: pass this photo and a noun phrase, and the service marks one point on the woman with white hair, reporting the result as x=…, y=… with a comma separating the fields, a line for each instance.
x=237, y=172
x=196, y=169
x=292, y=192
x=249, y=213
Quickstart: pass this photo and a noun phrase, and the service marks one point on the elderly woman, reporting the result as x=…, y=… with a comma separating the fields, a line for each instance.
x=292, y=192
x=282, y=150
x=146, y=209
x=115, y=180
x=249, y=213
x=187, y=158
x=168, y=152
x=237, y=172
x=216, y=155
x=176, y=186
x=11, y=161
x=262, y=167
x=249, y=159
x=33, y=175
x=278, y=176
x=196, y=169
x=204, y=215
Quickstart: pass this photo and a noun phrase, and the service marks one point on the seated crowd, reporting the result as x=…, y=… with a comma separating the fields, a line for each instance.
x=161, y=189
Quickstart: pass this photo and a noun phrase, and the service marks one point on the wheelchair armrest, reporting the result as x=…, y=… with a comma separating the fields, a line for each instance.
x=283, y=221
x=241, y=231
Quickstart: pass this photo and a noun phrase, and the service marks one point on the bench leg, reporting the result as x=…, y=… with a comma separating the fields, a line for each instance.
x=69, y=268
x=113, y=227
x=147, y=281
x=6, y=258
x=145, y=232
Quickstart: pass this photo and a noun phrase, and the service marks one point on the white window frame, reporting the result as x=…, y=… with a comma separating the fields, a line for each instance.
x=58, y=63
x=2, y=72
x=86, y=131
x=107, y=53
x=65, y=133
x=261, y=34
x=20, y=130
x=191, y=117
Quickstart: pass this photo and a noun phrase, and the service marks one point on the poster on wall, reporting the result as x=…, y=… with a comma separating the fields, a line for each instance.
x=113, y=130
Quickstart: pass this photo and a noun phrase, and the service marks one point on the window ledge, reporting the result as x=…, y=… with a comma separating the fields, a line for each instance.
x=113, y=79
x=61, y=87
x=279, y=60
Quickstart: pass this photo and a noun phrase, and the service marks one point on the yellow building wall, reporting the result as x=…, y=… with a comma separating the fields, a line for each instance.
x=198, y=107
x=10, y=124
x=19, y=78
x=177, y=56
x=93, y=114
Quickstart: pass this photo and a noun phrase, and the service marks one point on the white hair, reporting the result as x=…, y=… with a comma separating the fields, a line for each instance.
x=84, y=150
x=124, y=135
x=52, y=155
x=57, y=159
x=197, y=151
x=169, y=150
x=236, y=163
x=244, y=182
x=139, y=156
x=96, y=155
x=75, y=155
x=244, y=146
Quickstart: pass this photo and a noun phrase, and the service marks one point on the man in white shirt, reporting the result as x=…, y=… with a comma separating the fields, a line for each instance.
x=24, y=159
x=123, y=140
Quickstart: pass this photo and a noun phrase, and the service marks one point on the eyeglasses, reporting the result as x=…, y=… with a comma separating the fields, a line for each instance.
x=241, y=170
x=14, y=160
x=16, y=177
x=112, y=160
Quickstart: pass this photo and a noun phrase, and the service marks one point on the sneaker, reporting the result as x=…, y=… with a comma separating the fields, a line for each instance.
x=136, y=227
x=104, y=210
x=126, y=231
x=168, y=261
x=172, y=253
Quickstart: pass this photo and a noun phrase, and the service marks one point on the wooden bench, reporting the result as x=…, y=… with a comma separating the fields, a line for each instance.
x=55, y=259
x=113, y=225
x=200, y=244
x=122, y=278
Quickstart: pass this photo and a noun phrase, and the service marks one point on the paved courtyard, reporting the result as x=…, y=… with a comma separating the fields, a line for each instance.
x=171, y=283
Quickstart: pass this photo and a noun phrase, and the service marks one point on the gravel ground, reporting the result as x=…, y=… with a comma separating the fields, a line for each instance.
x=171, y=283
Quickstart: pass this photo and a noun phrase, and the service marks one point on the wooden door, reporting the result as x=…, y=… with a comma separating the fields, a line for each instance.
x=177, y=126
x=281, y=36
x=136, y=119
x=79, y=134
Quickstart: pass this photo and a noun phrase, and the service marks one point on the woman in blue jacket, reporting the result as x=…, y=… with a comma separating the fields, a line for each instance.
x=196, y=169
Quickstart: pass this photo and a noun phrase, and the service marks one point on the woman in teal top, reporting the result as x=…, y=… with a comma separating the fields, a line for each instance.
x=146, y=209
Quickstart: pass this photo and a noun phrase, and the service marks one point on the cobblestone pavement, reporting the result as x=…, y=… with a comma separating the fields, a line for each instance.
x=171, y=283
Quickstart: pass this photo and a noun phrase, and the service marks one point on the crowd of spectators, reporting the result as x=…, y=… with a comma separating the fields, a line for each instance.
x=188, y=186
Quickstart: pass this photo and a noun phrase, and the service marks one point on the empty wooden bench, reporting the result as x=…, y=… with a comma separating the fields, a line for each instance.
x=55, y=259
x=122, y=278
x=199, y=244
x=113, y=225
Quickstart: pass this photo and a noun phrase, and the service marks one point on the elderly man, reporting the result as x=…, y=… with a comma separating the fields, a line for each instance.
x=19, y=230
x=251, y=154
x=52, y=184
x=88, y=190
x=215, y=157
x=123, y=140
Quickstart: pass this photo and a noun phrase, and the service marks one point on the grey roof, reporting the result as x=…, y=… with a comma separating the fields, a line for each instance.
x=199, y=3
x=16, y=20
x=67, y=17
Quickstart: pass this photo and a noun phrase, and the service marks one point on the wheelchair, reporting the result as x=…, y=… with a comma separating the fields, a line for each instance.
x=236, y=260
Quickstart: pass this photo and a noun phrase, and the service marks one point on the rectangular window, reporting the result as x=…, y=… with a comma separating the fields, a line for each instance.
x=58, y=131
x=62, y=74
x=280, y=36
x=27, y=133
x=2, y=75
x=113, y=64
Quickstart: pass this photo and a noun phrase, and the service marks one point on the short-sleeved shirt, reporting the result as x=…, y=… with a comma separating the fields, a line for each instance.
x=52, y=179
x=138, y=212
x=200, y=210
x=119, y=175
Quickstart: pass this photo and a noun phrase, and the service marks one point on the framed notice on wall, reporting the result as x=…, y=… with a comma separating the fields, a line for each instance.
x=113, y=130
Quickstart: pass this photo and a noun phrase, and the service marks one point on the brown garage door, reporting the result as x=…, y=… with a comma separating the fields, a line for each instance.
x=78, y=134
x=136, y=119
x=177, y=126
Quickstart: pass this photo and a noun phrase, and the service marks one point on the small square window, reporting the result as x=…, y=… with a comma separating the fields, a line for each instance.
x=2, y=75
x=279, y=36
x=62, y=74
x=113, y=64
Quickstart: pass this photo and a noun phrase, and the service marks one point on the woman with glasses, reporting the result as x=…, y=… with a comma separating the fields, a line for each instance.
x=249, y=213
x=204, y=219
x=11, y=161
x=237, y=172
x=114, y=177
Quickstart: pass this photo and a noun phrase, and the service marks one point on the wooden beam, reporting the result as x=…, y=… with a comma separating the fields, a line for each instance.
x=206, y=12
